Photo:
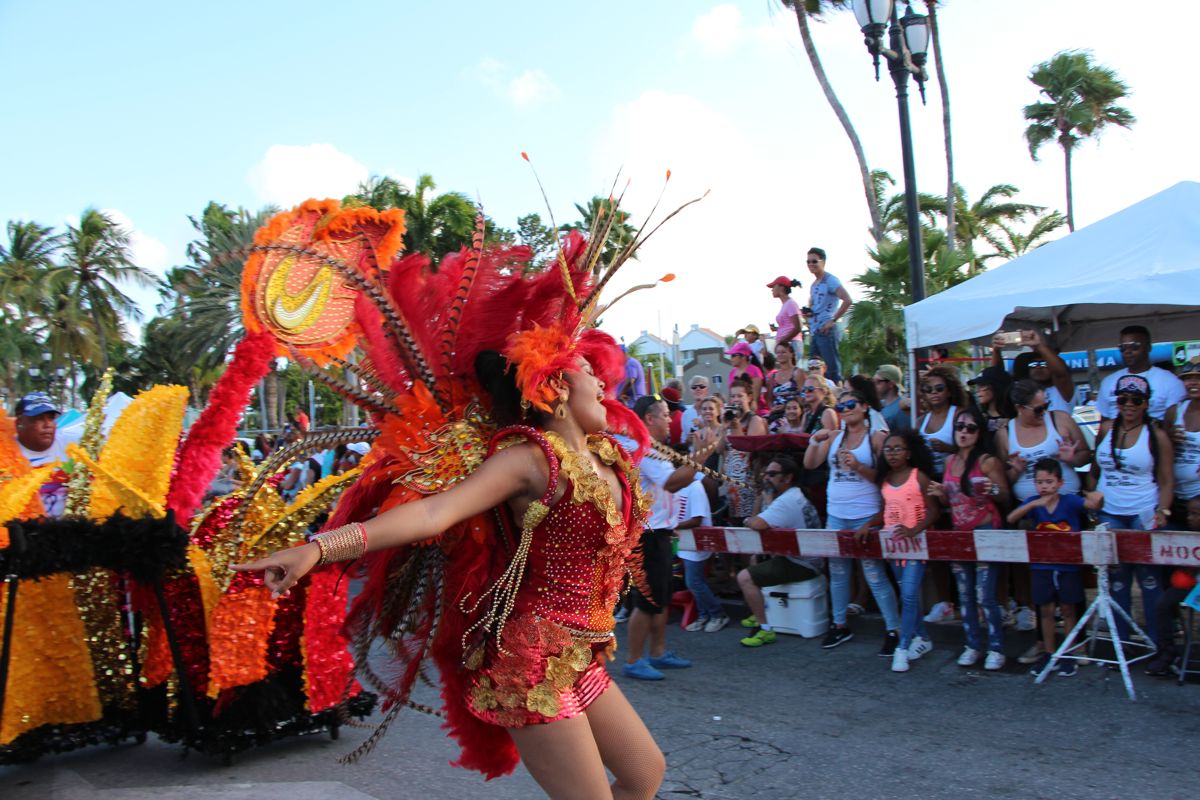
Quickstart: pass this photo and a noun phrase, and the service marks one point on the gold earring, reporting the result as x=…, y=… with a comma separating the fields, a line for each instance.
x=560, y=410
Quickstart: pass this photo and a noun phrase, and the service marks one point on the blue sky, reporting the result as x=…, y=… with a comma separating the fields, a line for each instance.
x=152, y=110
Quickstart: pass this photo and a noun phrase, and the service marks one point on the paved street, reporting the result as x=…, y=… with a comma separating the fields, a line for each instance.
x=788, y=720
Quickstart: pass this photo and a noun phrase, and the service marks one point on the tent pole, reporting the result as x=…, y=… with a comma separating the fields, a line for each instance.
x=912, y=387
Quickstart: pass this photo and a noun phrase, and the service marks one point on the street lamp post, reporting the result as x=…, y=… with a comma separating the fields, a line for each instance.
x=908, y=40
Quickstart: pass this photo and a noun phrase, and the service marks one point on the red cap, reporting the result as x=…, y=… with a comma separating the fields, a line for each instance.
x=670, y=393
x=782, y=280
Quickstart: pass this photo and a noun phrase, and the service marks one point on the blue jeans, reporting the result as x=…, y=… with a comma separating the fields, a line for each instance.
x=840, y=570
x=707, y=604
x=825, y=345
x=977, y=587
x=909, y=575
x=1149, y=576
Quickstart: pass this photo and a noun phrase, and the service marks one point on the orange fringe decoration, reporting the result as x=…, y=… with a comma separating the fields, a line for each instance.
x=540, y=355
x=238, y=635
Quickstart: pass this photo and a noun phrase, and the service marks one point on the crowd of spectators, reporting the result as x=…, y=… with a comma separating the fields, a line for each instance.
x=992, y=450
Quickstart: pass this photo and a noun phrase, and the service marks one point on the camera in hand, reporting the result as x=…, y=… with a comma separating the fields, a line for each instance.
x=805, y=310
x=731, y=413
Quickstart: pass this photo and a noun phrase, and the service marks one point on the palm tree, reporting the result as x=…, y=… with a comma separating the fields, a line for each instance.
x=433, y=225
x=875, y=333
x=804, y=9
x=981, y=220
x=1018, y=244
x=595, y=216
x=96, y=258
x=1080, y=102
x=25, y=262
x=931, y=7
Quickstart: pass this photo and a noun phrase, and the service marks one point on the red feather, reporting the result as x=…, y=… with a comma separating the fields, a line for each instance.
x=215, y=429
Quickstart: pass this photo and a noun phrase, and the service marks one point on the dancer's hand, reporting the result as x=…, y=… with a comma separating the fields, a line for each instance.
x=282, y=569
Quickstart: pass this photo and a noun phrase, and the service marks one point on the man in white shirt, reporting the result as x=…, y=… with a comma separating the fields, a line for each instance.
x=789, y=509
x=1165, y=389
x=691, y=414
x=691, y=509
x=648, y=622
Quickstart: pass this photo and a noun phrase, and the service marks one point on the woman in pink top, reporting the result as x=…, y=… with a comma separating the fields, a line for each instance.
x=907, y=512
x=973, y=487
x=787, y=321
x=747, y=367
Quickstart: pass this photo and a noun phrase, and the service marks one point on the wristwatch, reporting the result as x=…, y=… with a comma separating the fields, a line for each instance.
x=1166, y=512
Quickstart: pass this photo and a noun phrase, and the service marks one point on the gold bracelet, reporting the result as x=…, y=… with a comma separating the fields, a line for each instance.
x=347, y=543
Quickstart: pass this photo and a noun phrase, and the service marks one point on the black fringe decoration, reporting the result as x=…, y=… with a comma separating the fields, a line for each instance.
x=143, y=548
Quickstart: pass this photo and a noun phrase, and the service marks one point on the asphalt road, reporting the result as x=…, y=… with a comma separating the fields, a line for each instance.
x=784, y=721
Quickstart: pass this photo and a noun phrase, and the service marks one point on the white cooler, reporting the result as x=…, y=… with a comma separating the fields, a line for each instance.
x=798, y=608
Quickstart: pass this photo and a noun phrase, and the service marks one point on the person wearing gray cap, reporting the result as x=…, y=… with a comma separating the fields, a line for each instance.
x=37, y=430
x=889, y=383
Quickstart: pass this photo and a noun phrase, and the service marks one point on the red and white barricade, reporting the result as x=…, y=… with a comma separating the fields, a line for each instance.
x=1097, y=548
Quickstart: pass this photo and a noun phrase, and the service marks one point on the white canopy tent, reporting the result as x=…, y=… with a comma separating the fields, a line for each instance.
x=1139, y=265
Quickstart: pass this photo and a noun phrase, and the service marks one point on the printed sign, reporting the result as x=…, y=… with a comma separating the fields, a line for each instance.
x=914, y=547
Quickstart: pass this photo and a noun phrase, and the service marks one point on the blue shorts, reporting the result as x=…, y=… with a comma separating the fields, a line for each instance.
x=1055, y=584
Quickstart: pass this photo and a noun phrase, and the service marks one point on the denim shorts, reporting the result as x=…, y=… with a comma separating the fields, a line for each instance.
x=1056, y=584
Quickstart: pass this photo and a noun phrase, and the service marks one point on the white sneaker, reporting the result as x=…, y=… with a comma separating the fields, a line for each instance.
x=1025, y=619
x=993, y=661
x=919, y=647
x=941, y=612
x=696, y=625
x=969, y=657
x=900, y=660
x=715, y=624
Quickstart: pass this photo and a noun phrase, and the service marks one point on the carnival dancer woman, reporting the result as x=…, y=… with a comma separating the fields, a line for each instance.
x=974, y=488
x=498, y=520
x=594, y=727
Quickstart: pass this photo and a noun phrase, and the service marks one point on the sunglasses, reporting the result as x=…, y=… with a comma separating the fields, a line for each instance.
x=967, y=427
x=772, y=473
x=883, y=380
x=1131, y=400
x=1036, y=364
x=808, y=390
x=696, y=386
x=1039, y=410
x=1130, y=346
x=893, y=450
x=813, y=261
x=849, y=405
x=816, y=364
x=928, y=389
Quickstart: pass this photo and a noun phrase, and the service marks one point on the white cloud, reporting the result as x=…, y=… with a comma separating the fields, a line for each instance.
x=723, y=30
x=531, y=88
x=720, y=30
x=290, y=174
x=148, y=252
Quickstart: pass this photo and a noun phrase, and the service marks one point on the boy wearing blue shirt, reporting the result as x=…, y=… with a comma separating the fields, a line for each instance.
x=1061, y=583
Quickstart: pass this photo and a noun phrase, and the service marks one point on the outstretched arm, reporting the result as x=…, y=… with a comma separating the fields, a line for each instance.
x=509, y=475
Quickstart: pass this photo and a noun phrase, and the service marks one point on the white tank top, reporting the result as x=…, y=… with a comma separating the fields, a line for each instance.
x=1129, y=490
x=1024, y=488
x=849, y=494
x=1187, y=458
x=945, y=434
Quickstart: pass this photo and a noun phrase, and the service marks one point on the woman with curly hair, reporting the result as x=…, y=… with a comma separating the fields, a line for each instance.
x=944, y=395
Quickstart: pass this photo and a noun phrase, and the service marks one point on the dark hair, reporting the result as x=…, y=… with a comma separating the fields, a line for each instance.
x=920, y=457
x=1136, y=330
x=816, y=251
x=788, y=466
x=982, y=447
x=492, y=371
x=1151, y=431
x=788, y=289
x=1024, y=390
x=1050, y=465
x=1000, y=399
x=866, y=388
x=955, y=392
x=643, y=404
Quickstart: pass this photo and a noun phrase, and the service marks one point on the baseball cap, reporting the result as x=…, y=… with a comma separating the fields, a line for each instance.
x=991, y=376
x=362, y=448
x=1190, y=368
x=782, y=280
x=1132, y=384
x=35, y=404
x=891, y=372
x=740, y=349
x=752, y=328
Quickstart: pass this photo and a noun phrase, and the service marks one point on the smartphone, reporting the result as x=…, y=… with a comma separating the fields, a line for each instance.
x=1009, y=337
